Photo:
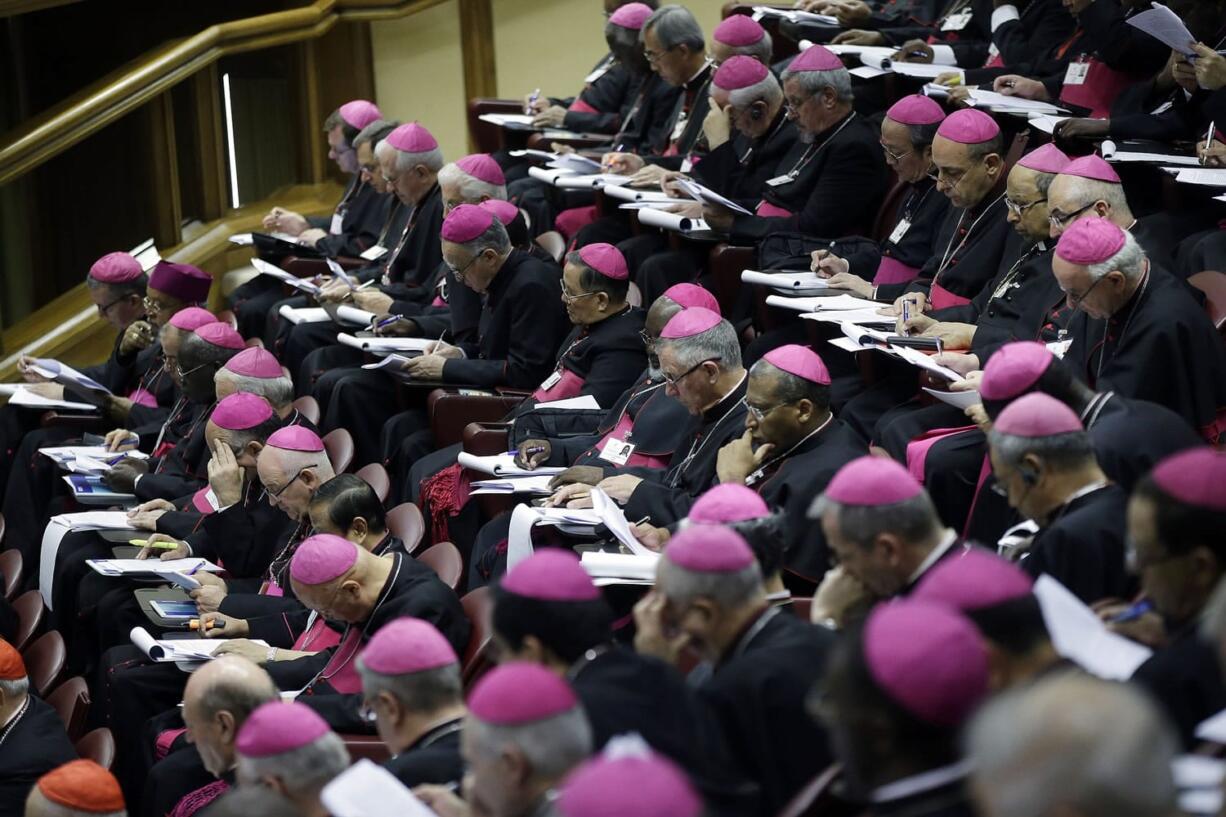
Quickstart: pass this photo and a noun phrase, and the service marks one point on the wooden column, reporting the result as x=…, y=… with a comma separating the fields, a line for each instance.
x=211, y=141
x=312, y=112
x=164, y=175
x=477, y=47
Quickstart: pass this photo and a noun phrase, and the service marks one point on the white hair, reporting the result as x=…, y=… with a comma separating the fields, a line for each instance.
x=762, y=50
x=278, y=391
x=814, y=82
x=1076, y=743
x=720, y=341
x=728, y=590
x=15, y=689
x=767, y=90
x=1087, y=191
x=432, y=159
x=552, y=746
x=471, y=188
x=292, y=461
x=1130, y=260
x=308, y=767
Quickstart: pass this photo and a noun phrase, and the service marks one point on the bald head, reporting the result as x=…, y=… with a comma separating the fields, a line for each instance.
x=351, y=596
x=216, y=702
x=1074, y=746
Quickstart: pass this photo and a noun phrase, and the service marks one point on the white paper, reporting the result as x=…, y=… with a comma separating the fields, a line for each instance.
x=923, y=70
x=500, y=465
x=179, y=579
x=706, y=195
x=393, y=361
x=583, y=401
x=1080, y=636
x=614, y=519
x=151, y=567
x=795, y=15
x=624, y=193
x=991, y=99
x=786, y=280
x=504, y=119
x=1164, y=26
x=66, y=375
x=351, y=314
x=923, y=361
x=89, y=490
x=302, y=284
x=377, y=344
x=549, y=175
x=837, y=303
x=1046, y=123
x=527, y=486
x=861, y=317
x=1113, y=154
x=1198, y=771
x=304, y=314
x=620, y=565
x=591, y=180
x=366, y=789
x=524, y=517
x=1213, y=728
x=1206, y=176
x=180, y=649
x=674, y=222
x=958, y=399
x=23, y=396
x=879, y=52
x=867, y=72
x=242, y=239
x=846, y=344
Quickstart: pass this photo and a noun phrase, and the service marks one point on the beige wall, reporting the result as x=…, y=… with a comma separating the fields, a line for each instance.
x=550, y=44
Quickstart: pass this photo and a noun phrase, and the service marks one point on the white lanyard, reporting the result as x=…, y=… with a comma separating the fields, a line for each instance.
x=697, y=446
x=949, y=255
x=758, y=474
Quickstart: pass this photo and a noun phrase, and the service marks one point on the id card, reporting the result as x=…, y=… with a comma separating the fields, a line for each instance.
x=551, y=381
x=679, y=128
x=337, y=219
x=778, y=181
x=1076, y=73
x=374, y=253
x=617, y=452
x=900, y=229
x=957, y=21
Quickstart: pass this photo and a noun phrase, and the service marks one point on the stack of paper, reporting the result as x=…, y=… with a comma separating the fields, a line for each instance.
x=188, y=650
x=151, y=567
x=625, y=193
x=386, y=345
x=527, y=486
x=786, y=280
x=620, y=568
x=1010, y=104
x=1203, y=176
x=304, y=314
x=1113, y=153
x=367, y=789
x=550, y=175
x=518, y=120
x=301, y=284
x=22, y=395
x=1079, y=634
x=355, y=316
x=589, y=181
x=795, y=15
x=674, y=222
x=525, y=517
x=1166, y=27
x=68, y=377
x=582, y=402
x=501, y=465
x=706, y=195
x=393, y=363
x=958, y=399
x=838, y=303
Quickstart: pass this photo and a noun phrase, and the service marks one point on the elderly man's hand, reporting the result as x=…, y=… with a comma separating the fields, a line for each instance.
x=372, y=300
x=839, y=593
x=280, y=220
x=952, y=335
x=737, y=460
x=858, y=36
x=620, y=487
x=961, y=363
x=243, y=647
x=914, y=51
x=25, y=367
x=550, y=117
x=575, y=495
x=233, y=627
x=1210, y=67
x=533, y=453
x=718, y=218
x=851, y=13
x=179, y=551
x=648, y=176
x=208, y=598
x=651, y=537
x=1019, y=86
x=1082, y=128
x=442, y=801
x=652, y=636
x=717, y=126
x=425, y=367
x=139, y=335
x=580, y=474
x=225, y=475
x=622, y=164
x=1212, y=156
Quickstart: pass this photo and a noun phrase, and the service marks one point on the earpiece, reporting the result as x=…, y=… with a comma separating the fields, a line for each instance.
x=1028, y=475
x=755, y=113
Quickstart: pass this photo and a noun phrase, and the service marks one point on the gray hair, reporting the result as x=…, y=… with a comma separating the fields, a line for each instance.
x=792, y=389
x=278, y=391
x=553, y=746
x=1042, y=181
x=728, y=590
x=921, y=136
x=762, y=50
x=236, y=693
x=375, y=132
x=1088, y=191
x=432, y=159
x=720, y=341
x=15, y=689
x=913, y=520
x=426, y=691
x=767, y=90
x=1097, y=748
x=494, y=238
x=292, y=461
x=674, y=26
x=472, y=189
x=814, y=82
x=308, y=767
x=1062, y=452
x=1130, y=260
x=120, y=289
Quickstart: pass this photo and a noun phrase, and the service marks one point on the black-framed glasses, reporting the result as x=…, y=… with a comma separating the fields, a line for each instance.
x=102, y=310
x=277, y=493
x=1020, y=208
x=1061, y=220
x=155, y=306
x=673, y=381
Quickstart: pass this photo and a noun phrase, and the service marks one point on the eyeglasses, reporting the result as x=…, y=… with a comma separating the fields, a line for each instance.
x=1061, y=220
x=653, y=57
x=673, y=381
x=459, y=273
x=759, y=414
x=277, y=493
x=570, y=299
x=155, y=306
x=1018, y=208
x=102, y=310
x=1076, y=300
x=182, y=374
x=793, y=106
x=387, y=178
x=892, y=156
x=647, y=338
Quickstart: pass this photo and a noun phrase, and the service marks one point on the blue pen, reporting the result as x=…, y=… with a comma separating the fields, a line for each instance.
x=194, y=569
x=388, y=321
x=532, y=98
x=1133, y=613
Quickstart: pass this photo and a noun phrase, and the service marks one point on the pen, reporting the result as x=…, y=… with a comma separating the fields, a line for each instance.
x=196, y=624
x=434, y=351
x=145, y=543
x=532, y=98
x=529, y=451
x=642, y=521
x=1132, y=613
x=194, y=569
x=1209, y=135
x=388, y=321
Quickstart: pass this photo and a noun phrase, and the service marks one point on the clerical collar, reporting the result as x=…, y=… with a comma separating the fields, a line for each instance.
x=1083, y=491
x=708, y=413
x=436, y=732
x=705, y=65
x=752, y=628
x=922, y=782
x=932, y=558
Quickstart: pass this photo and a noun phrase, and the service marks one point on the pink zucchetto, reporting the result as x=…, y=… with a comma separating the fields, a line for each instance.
x=116, y=268
x=183, y=281
x=1194, y=477
x=1090, y=241
x=191, y=318
x=482, y=167
x=739, y=72
x=800, y=361
x=519, y=693
x=969, y=127
x=322, y=558
x=1045, y=159
x=1092, y=167
x=551, y=574
x=816, y=58
x=1014, y=368
x=255, y=362
x=738, y=30
x=295, y=438
x=1037, y=415
x=872, y=481
x=928, y=659
x=407, y=645
x=916, y=109
x=709, y=549
x=631, y=16
x=628, y=784
x=687, y=295
x=690, y=322
x=412, y=138
x=222, y=335
x=727, y=502
x=278, y=727
x=973, y=580
x=241, y=411
x=504, y=211
x=605, y=259
x=359, y=113
x=465, y=223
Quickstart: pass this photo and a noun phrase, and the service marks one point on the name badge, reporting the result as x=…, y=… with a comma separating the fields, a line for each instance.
x=957, y=21
x=679, y=128
x=900, y=229
x=335, y=227
x=687, y=164
x=617, y=452
x=780, y=180
x=374, y=253
x=597, y=74
x=1076, y=73
x=551, y=381
x=1163, y=108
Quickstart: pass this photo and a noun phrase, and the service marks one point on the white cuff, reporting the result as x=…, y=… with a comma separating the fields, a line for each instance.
x=943, y=55
x=1002, y=15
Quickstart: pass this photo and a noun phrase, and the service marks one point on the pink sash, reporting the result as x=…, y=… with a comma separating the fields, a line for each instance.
x=768, y=210
x=893, y=271
x=579, y=106
x=917, y=449
x=1103, y=84
x=342, y=671
x=319, y=636
x=940, y=297
x=200, y=501
x=271, y=588
x=438, y=301
x=569, y=222
x=569, y=384
x=143, y=397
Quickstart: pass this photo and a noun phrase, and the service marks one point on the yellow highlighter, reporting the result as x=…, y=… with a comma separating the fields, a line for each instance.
x=145, y=543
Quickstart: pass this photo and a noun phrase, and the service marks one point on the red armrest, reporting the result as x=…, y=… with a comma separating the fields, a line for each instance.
x=487, y=137
x=366, y=746
x=81, y=422
x=450, y=412
x=485, y=439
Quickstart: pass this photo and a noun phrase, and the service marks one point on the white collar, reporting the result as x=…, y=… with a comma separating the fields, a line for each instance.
x=17, y=713
x=945, y=544
x=922, y=782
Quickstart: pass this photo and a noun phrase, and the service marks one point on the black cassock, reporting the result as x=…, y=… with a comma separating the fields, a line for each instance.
x=30, y=746
x=946, y=796
x=1161, y=346
x=757, y=692
x=1124, y=454
x=1186, y=679
x=623, y=692
x=1083, y=546
x=433, y=758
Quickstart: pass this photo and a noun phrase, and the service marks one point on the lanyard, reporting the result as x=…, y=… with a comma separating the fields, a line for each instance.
x=811, y=152
x=352, y=645
x=1119, y=341
x=950, y=253
x=757, y=475
x=699, y=443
